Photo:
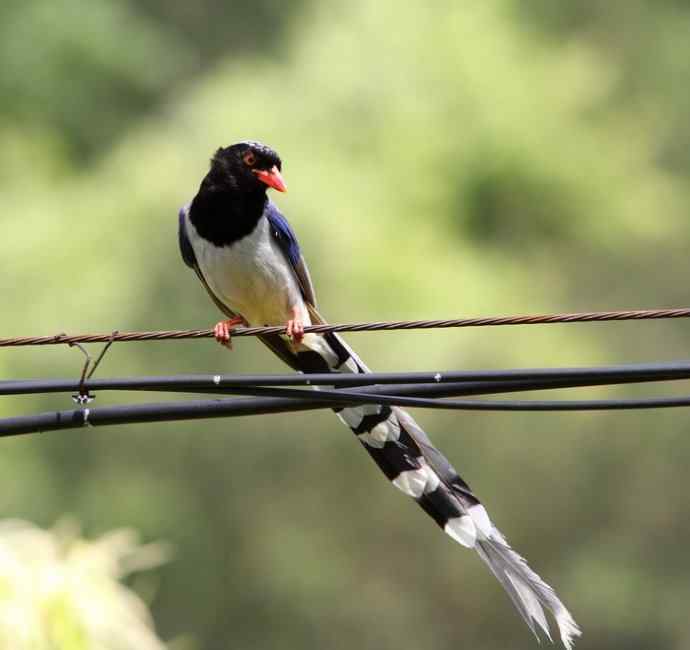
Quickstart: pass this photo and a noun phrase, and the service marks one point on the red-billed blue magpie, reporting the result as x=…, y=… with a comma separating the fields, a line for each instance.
x=247, y=257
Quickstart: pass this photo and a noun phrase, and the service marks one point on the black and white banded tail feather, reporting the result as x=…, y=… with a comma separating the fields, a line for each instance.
x=403, y=451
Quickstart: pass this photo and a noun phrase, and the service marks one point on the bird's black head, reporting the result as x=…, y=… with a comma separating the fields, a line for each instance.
x=247, y=167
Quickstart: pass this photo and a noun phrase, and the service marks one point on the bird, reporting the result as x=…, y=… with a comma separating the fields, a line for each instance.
x=247, y=257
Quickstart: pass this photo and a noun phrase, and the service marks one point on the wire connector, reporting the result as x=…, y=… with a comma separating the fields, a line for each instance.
x=83, y=396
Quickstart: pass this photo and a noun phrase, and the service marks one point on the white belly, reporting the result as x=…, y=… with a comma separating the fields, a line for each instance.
x=251, y=276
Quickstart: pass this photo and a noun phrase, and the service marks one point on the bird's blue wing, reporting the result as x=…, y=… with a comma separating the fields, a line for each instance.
x=287, y=241
x=185, y=245
x=283, y=233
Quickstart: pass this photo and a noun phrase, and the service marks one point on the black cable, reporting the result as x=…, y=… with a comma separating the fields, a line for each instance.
x=274, y=398
x=577, y=376
x=197, y=409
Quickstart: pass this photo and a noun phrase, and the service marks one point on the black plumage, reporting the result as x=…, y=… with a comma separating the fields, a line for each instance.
x=231, y=199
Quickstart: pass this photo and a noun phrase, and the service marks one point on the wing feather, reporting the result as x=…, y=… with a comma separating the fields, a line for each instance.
x=286, y=239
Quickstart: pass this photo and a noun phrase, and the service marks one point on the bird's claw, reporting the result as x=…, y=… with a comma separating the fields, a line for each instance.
x=222, y=330
x=295, y=330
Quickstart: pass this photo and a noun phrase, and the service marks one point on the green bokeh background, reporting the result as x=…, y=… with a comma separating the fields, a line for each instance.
x=443, y=159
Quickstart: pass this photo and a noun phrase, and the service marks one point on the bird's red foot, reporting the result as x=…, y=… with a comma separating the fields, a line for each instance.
x=222, y=330
x=295, y=327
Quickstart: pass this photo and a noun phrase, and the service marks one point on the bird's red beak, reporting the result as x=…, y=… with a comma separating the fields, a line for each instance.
x=272, y=178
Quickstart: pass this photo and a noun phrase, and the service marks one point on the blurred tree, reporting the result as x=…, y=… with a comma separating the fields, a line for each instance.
x=87, y=71
x=83, y=70
x=647, y=40
x=239, y=29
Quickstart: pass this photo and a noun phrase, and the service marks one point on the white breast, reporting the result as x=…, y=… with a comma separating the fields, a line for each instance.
x=252, y=276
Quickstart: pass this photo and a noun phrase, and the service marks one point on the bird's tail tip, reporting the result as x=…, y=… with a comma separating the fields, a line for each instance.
x=529, y=593
x=568, y=628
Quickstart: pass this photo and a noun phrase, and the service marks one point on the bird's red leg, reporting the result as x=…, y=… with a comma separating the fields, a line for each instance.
x=295, y=327
x=222, y=330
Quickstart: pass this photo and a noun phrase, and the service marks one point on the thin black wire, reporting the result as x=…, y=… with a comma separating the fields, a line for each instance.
x=222, y=383
x=446, y=389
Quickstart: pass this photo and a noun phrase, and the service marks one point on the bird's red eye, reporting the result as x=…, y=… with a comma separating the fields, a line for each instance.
x=249, y=158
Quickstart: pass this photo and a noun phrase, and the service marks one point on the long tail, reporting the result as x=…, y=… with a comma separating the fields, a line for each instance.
x=407, y=457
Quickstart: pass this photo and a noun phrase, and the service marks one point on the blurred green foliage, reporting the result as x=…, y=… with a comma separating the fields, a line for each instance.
x=443, y=159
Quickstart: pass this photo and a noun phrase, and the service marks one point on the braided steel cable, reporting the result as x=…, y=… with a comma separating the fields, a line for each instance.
x=377, y=326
